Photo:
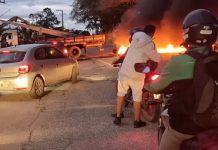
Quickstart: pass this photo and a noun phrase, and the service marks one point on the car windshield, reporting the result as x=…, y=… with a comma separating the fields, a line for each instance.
x=11, y=56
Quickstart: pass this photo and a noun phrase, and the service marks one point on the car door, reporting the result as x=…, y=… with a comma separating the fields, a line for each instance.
x=45, y=65
x=63, y=65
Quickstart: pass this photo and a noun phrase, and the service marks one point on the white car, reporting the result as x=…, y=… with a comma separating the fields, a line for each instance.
x=32, y=67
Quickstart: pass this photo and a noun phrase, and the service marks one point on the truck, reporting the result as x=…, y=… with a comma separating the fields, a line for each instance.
x=63, y=40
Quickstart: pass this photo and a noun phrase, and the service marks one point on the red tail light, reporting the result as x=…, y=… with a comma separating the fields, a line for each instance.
x=154, y=77
x=54, y=43
x=6, y=52
x=24, y=69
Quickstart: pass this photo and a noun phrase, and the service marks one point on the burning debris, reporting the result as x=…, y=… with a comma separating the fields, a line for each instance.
x=167, y=15
x=168, y=49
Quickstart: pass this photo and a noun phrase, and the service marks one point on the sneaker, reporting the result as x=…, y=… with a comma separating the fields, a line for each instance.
x=139, y=124
x=115, y=115
x=117, y=121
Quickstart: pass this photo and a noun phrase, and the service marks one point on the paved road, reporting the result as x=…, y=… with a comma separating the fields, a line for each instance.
x=73, y=116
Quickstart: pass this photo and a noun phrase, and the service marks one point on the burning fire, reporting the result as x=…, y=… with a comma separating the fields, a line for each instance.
x=122, y=50
x=168, y=49
x=171, y=49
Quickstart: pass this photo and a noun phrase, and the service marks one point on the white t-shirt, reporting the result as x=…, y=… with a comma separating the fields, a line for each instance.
x=141, y=49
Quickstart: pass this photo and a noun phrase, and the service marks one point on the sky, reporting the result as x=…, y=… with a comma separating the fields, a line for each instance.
x=23, y=8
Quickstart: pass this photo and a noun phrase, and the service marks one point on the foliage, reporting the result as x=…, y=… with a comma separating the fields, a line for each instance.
x=80, y=32
x=46, y=18
x=99, y=20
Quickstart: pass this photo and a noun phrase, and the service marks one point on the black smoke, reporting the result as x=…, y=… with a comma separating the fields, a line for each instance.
x=155, y=10
x=167, y=15
x=150, y=11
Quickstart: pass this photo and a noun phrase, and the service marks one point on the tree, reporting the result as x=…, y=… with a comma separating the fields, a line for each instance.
x=46, y=18
x=99, y=20
x=80, y=32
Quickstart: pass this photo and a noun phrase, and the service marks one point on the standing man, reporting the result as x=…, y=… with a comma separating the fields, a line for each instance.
x=141, y=49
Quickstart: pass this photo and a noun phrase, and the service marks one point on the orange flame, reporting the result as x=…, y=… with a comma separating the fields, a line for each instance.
x=122, y=50
x=168, y=49
x=171, y=49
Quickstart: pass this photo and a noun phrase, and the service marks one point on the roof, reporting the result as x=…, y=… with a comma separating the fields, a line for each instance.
x=24, y=47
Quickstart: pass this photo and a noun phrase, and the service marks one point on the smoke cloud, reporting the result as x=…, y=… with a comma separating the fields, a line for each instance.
x=167, y=15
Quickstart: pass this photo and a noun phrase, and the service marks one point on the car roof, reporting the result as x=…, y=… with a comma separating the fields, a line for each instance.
x=23, y=48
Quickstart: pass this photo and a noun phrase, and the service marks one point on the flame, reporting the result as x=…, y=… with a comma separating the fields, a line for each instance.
x=171, y=49
x=168, y=49
x=122, y=50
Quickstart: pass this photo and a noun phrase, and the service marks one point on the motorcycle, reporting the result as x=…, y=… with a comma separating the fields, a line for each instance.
x=151, y=103
x=163, y=122
x=150, y=106
x=156, y=104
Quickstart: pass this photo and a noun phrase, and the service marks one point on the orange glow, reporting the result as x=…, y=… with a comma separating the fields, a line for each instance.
x=122, y=50
x=171, y=49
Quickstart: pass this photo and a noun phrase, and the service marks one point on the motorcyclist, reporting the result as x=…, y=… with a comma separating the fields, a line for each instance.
x=141, y=49
x=199, y=33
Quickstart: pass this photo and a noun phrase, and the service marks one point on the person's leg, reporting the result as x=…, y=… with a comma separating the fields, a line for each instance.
x=120, y=101
x=122, y=88
x=136, y=86
x=137, y=110
x=172, y=139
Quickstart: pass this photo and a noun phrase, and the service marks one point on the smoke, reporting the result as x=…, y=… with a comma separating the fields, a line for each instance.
x=167, y=15
x=107, y=4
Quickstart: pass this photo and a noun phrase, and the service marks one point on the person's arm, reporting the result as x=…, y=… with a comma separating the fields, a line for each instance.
x=178, y=68
x=152, y=53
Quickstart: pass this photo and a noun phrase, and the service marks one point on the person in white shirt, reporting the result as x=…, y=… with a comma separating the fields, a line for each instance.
x=142, y=49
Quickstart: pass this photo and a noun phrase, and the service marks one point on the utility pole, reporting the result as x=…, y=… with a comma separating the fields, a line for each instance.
x=62, y=16
x=2, y=1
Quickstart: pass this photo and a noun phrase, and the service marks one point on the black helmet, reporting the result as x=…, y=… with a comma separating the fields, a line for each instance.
x=200, y=28
x=150, y=28
x=134, y=30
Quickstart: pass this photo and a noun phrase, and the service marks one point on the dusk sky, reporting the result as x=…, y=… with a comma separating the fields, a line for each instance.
x=23, y=8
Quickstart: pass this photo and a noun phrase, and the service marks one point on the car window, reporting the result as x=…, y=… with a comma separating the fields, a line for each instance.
x=54, y=53
x=11, y=56
x=41, y=53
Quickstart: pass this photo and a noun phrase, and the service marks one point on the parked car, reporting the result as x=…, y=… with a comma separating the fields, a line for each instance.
x=32, y=67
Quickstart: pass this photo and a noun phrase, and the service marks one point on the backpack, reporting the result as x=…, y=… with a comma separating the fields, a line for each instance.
x=205, y=86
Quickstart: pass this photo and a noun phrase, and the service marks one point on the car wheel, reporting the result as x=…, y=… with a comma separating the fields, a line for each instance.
x=75, y=52
x=74, y=75
x=38, y=86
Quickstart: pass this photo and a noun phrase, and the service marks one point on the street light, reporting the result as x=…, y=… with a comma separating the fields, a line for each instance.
x=62, y=15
